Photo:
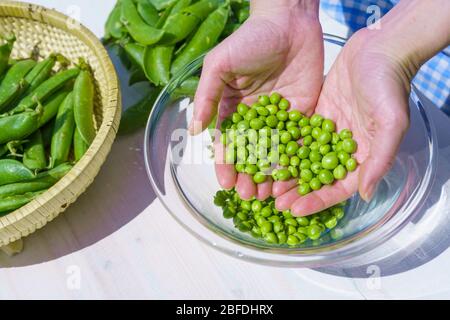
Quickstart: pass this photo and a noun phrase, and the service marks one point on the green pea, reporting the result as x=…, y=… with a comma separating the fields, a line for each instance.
x=324, y=137
x=262, y=111
x=287, y=214
x=292, y=148
x=256, y=232
x=284, y=160
x=275, y=98
x=241, y=154
x=272, y=121
x=291, y=229
x=282, y=115
x=330, y=161
x=242, y=215
x=295, y=132
x=324, y=149
x=351, y=164
x=243, y=125
x=306, y=175
x=246, y=205
x=294, y=161
x=314, y=146
x=283, y=174
x=278, y=227
x=307, y=141
x=284, y=104
x=306, y=131
x=295, y=115
x=294, y=171
x=338, y=146
x=291, y=222
x=303, y=152
x=331, y=223
x=259, y=177
x=335, y=138
x=256, y=124
x=266, y=227
x=302, y=230
x=241, y=140
x=291, y=124
x=292, y=240
x=339, y=172
x=314, y=232
x=230, y=156
x=349, y=145
x=281, y=148
x=251, y=114
x=263, y=164
x=260, y=221
x=302, y=221
x=266, y=211
x=255, y=105
x=316, y=131
x=236, y=117
x=280, y=125
x=273, y=109
x=328, y=125
x=251, y=159
x=282, y=238
x=304, y=122
x=343, y=157
x=304, y=189
x=315, y=184
x=325, y=176
x=304, y=164
x=240, y=167
x=315, y=156
x=256, y=206
x=264, y=100
x=274, y=219
x=345, y=134
x=337, y=212
x=316, y=120
x=285, y=137
x=242, y=108
x=251, y=169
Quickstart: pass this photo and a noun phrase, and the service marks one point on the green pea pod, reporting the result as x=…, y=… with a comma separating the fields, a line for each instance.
x=47, y=88
x=12, y=203
x=52, y=105
x=203, y=8
x=53, y=175
x=83, y=99
x=137, y=28
x=172, y=9
x=39, y=74
x=63, y=132
x=157, y=64
x=5, y=53
x=135, y=53
x=3, y=150
x=204, y=39
x=11, y=148
x=79, y=146
x=242, y=14
x=47, y=133
x=162, y=4
x=19, y=126
x=148, y=12
x=229, y=29
x=114, y=27
x=187, y=88
x=178, y=27
x=34, y=156
x=12, y=171
x=14, y=81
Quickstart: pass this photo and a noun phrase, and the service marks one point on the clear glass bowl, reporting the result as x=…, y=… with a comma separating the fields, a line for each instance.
x=181, y=171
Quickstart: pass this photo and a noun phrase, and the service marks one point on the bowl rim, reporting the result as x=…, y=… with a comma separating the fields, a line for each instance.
x=359, y=243
x=56, y=199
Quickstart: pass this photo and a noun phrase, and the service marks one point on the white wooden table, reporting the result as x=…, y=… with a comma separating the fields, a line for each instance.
x=117, y=241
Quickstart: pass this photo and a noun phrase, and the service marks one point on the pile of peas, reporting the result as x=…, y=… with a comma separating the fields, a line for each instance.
x=268, y=139
x=262, y=220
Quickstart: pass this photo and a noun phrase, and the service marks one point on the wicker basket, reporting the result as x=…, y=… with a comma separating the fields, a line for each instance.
x=50, y=31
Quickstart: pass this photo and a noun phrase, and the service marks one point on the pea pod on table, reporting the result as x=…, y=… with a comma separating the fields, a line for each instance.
x=19, y=126
x=14, y=81
x=205, y=38
x=178, y=27
x=203, y=8
x=63, y=132
x=162, y=4
x=157, y=64
x=114, y=27
x=137, y=28
x=83, y=99
x=12, y=171
x=34, y=157
x=135, y=53
x=187, y=88
x=5, y=53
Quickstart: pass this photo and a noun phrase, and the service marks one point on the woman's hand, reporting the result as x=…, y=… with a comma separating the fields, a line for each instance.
x=279, y=48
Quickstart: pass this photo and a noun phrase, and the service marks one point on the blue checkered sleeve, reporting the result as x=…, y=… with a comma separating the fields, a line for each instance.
x=433, y=79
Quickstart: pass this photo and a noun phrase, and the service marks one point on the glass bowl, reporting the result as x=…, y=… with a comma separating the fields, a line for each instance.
x=181, y=170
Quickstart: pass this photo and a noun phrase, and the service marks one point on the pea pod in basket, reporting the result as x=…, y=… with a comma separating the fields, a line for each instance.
x=83, y=106
x=19, y=126
x=63, y=132
x=12, y=171
x=34, y=157
x=12, y=203
x=5, y=53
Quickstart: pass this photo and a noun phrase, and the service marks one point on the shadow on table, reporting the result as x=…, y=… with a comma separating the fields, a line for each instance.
x=436, y=235
x=120, y=192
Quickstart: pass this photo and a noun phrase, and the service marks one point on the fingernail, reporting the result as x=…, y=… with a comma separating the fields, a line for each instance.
x=367, y=197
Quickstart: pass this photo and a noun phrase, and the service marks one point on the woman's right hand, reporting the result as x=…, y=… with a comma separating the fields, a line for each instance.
x=279, y=48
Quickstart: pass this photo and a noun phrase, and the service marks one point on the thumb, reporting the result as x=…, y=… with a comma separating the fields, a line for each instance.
x=209, y=92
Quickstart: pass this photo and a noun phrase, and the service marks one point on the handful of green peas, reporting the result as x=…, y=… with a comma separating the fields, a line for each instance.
x=46, y=123
x=266, y=139
x=156, y=39
x=262, y=220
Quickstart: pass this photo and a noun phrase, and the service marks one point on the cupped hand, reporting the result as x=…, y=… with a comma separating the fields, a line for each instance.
x=279, y=50
x=366, y=91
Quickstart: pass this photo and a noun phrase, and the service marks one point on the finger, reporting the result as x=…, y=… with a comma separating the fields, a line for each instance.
x=281, y=187
x=209, y=92
x=384, y=147
x=285, y=201
x=245, y=186
x=264, y=190
x=326, y=197
x=226, y=173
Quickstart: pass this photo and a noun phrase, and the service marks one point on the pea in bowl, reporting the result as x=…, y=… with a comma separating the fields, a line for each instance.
x=181, y=170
